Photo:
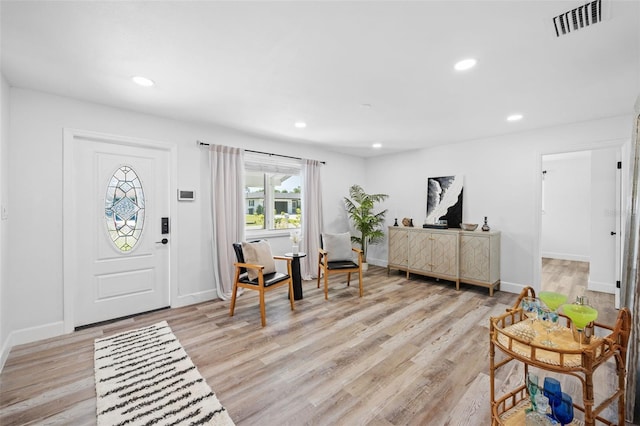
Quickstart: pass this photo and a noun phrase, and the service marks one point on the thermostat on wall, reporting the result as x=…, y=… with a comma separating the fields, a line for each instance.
x=186, y=195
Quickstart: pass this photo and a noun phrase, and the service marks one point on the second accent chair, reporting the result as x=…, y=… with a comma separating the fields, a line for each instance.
x=336, y=256
x=256, y=270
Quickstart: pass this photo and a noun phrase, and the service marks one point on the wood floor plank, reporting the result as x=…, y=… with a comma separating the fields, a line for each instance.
x=410, y=352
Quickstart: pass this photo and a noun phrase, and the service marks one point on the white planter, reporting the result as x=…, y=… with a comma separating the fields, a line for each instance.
x=365, y=266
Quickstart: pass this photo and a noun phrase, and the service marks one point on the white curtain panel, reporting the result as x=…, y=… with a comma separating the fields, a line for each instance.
x=311, y=217
x=631, y=274
x=227, y=213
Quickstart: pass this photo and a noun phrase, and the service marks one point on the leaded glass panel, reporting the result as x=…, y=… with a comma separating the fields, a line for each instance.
x=124, y=208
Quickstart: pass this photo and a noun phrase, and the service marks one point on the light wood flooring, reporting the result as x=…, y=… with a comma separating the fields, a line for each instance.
x=410, y=352
x=571, y=278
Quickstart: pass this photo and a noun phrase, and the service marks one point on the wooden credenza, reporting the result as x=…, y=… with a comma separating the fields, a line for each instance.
x=472, y=257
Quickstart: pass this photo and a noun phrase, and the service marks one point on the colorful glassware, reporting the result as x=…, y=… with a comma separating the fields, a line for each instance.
x=552, y=300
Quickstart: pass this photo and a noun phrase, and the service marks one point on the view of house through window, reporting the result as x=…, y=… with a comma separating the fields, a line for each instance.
x=272, y=198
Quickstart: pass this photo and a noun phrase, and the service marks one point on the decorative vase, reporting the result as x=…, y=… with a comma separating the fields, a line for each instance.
x=396, y=222
x=485, y=227
x=294, y=249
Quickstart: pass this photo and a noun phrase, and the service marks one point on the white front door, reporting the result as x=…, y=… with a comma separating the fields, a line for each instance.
x=116, y=251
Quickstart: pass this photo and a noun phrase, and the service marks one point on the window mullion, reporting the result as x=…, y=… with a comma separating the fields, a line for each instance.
x=269, y=219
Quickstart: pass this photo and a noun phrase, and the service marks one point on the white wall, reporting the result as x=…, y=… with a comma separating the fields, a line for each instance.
x=4, y=224
x=35, y=260
x=566, y=217
x=502, y=180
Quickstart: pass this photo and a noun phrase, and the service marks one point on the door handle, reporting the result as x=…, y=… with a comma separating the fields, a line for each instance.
x=613, y=233
x=163, y=241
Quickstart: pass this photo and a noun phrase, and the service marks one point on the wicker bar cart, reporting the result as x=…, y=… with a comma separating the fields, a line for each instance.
x=511, y=335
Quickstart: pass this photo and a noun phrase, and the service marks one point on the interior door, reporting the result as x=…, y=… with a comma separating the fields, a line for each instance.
x=119, y=241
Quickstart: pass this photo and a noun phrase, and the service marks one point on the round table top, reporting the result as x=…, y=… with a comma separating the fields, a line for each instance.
x=299, y=254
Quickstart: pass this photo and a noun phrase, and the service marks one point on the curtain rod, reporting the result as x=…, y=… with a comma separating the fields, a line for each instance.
x=265, y=153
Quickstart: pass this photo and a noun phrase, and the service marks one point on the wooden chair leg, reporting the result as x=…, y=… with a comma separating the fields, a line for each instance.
x=318, y=275
x=233, y=298
x=360, y=280
x=348, y=278
x=263, y=313
x=291, y=294
x=326, y=285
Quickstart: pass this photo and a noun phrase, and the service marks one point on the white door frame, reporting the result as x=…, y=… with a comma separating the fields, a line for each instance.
x=537, y=249
x=69, y=212
x=619, y=228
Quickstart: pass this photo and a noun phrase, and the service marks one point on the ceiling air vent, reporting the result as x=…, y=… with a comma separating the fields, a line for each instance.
x=578, y=18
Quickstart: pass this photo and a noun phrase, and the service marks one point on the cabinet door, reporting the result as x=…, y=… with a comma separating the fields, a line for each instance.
x=398, y=247
x=474, y=257
x=420, y=251
x=444, y=254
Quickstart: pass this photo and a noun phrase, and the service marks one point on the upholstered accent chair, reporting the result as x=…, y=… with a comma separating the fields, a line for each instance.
x=336, y=256
x=256, y=270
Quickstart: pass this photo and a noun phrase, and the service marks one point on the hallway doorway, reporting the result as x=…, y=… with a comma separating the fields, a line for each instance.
x=580, y=225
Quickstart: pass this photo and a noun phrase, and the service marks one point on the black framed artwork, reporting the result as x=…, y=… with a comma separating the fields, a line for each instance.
x=444, y=200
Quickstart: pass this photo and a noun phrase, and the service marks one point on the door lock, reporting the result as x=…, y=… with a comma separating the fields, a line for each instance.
x=613, y=233
x=163, y=241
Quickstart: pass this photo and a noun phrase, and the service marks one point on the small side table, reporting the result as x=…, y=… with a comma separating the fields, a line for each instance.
x=295, y=271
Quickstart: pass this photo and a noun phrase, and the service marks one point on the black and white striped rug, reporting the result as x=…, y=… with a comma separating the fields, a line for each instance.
x=145, y=377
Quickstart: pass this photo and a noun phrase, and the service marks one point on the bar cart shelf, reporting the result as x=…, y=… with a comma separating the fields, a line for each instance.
x=510, y=334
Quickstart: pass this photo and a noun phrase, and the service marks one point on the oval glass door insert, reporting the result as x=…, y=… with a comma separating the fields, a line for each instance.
x=124, y=208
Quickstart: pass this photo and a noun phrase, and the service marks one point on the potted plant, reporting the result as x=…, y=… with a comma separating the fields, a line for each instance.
x=366, y=221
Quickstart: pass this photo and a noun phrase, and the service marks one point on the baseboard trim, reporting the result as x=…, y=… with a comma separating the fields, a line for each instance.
x=566, y=256
x=40, y=332
x=6, y=348
x=28, y=335
x=377, y=262
x=193, y=298
x=601, y=287
x=508, y=287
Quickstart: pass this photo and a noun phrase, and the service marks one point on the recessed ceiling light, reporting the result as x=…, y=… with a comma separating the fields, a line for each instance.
x=465, y=64
x=366, y=105
x=514, y=117
x=142, y=81
x=300, y=124
x=376, y=145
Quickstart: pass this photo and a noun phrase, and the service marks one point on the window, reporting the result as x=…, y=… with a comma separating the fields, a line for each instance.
x=272, y=192
x=124, y=208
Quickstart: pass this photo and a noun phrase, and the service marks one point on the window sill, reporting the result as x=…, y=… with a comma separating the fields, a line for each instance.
x=272, y=233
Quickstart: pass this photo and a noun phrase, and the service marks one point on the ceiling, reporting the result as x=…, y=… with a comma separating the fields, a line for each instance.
x=358, y=72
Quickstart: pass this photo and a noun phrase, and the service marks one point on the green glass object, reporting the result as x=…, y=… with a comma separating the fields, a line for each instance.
x=552, y=300
x=580, y=315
